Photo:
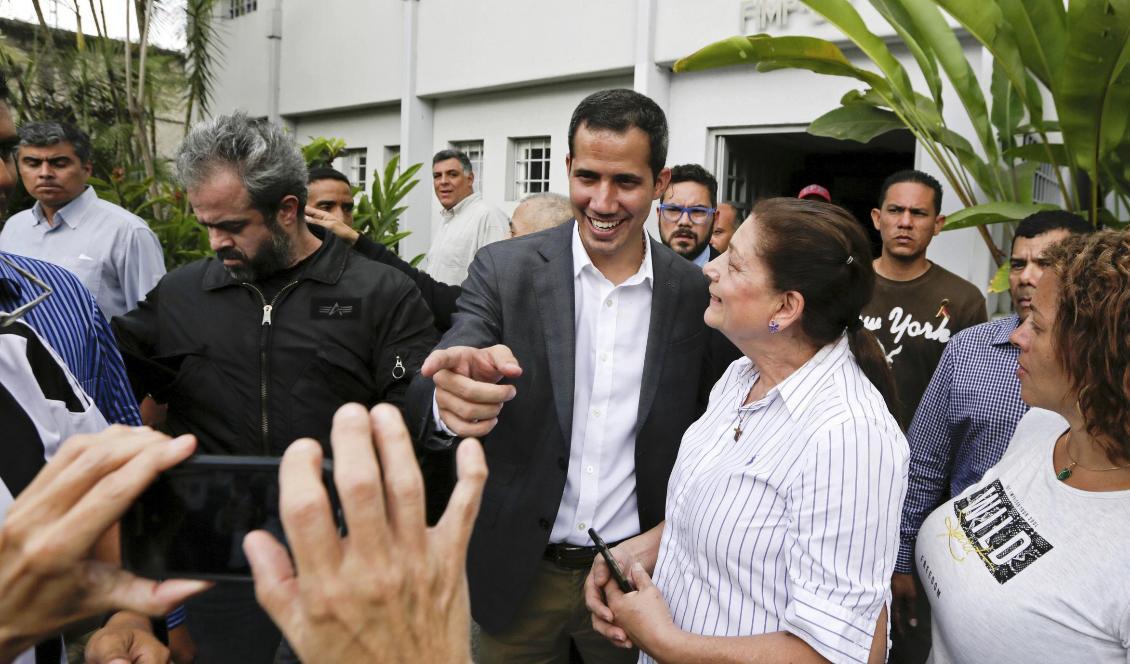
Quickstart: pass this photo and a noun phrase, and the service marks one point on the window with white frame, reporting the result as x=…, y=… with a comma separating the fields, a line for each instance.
x=391, y=152
x=355, y=165
x=531, y=166
x=238, y=8
x=474, y=152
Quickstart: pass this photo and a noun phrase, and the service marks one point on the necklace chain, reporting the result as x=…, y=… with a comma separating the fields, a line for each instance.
x=1069, y=469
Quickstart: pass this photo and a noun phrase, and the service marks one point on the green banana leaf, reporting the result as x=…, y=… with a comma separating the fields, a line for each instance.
x=1089, y=99
x=768, y=53
x=859, y=122
x=1040, y=30
x=842, y=14
x=900, y=19
x=940, y=38
x=999, y=282
x=1039, y=152
x=993, y=213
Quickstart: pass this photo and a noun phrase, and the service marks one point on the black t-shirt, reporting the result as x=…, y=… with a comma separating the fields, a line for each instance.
x=913, y=320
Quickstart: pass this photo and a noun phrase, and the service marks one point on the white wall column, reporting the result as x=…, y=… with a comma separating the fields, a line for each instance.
x=274, y=61
x=416, y=135
x=648, y=79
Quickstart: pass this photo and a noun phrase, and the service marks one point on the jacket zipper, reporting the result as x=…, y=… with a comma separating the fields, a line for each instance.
x=264, y=366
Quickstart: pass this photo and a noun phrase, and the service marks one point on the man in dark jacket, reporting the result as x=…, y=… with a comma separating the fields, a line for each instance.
x=261, y=344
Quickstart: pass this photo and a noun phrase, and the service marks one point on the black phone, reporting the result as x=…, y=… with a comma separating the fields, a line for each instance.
x=191, y=521
x=617, y=573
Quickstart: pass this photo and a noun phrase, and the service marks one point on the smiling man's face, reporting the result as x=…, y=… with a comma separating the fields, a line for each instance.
x=611, y=187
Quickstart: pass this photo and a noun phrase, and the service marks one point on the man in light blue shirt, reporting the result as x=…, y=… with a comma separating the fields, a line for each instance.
x=112, y=251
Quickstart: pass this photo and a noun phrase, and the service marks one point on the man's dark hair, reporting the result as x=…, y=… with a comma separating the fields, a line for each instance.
x=1051, y=220
x=324, y=173
x=697, y=174
x=43, y=134
x=4, y=91
x=917, y=177
x=618, y=111
x=444, y=155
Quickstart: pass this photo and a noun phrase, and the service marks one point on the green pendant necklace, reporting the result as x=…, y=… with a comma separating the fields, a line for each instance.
x=1069, y=469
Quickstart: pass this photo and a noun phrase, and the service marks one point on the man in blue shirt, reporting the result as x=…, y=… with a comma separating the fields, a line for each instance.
x=112, y=251
x=970, y=408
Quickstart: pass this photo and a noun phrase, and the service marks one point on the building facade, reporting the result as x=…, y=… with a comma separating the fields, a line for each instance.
x=500, y=78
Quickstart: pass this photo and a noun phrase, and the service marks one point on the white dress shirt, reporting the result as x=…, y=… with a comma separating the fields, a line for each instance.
x=470, y=225
x=794, y=525
x=612, y=324
x=112, y=251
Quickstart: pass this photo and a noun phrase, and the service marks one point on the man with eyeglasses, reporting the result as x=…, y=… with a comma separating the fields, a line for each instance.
x=686, y=213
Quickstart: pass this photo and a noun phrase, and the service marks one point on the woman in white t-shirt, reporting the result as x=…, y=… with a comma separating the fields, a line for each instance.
x=783, y=505
x=1029, y=564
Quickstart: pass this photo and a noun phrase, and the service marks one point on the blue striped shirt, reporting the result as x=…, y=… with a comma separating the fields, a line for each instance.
x=963, y=423
x=72, y=323
x=793, y=526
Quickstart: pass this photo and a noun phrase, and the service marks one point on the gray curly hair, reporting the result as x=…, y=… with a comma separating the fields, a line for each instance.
x=264, y=157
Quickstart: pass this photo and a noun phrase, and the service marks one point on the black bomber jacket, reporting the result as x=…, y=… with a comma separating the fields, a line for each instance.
x=249, y=376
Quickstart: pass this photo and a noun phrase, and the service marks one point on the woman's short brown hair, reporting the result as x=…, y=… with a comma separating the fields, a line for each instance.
x=1092, y=330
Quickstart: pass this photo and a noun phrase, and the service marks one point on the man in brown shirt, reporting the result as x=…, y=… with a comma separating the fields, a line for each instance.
x=917, y=305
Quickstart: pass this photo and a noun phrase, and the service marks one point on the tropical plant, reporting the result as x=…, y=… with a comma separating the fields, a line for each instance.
x=1073, y=56
x=378, y=214
x=116, y=91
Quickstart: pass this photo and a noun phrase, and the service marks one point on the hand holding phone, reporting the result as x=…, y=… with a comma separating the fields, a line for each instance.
x=617, y=573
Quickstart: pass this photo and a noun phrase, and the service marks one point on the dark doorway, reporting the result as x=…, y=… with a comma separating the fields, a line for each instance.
x=781, y=164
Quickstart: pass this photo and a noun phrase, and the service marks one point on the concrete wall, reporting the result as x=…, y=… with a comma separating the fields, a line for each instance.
x=498, y=43
x=241, y=63
x=340, y=54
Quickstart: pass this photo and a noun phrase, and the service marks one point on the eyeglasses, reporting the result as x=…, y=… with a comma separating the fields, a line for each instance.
x=697, y=214
x=9, y=317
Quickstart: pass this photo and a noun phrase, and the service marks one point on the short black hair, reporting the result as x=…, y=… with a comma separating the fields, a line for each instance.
x=694, y=173
x=4, y=91
x=43, y=134
x=917, y=177
x=326, y=173
x=444, y=155
x=1051, y=220
x=619, y=110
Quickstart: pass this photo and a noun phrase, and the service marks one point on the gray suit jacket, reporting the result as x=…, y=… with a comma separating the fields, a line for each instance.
x=520, y=293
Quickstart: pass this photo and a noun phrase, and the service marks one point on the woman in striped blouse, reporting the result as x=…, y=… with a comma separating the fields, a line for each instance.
x=783, y=506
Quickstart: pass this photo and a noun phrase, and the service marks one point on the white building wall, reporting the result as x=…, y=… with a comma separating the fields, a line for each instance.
x=469, y=46
x=241, y=62
x=340, y=54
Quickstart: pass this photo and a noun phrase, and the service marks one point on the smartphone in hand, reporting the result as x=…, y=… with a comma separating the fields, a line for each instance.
x=617, y=573
x=191, y=521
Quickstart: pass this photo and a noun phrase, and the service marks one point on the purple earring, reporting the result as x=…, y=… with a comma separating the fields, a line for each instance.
x=774, y=327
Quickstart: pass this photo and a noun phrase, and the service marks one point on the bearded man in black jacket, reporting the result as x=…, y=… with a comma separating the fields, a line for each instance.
x=261, y=344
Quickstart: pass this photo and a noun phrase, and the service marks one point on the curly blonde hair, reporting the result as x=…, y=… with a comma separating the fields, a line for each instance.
x=1092, y=331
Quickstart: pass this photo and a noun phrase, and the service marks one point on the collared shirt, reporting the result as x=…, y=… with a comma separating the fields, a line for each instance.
x=112, y=251
x=470, y=225
x=963, y=424
x=70, y=321
x=41, y=405
x=612, y=325
x=794, y=525
x=703, y=257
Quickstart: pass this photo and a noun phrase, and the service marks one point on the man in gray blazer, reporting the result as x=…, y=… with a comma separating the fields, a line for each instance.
x=578, y=355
